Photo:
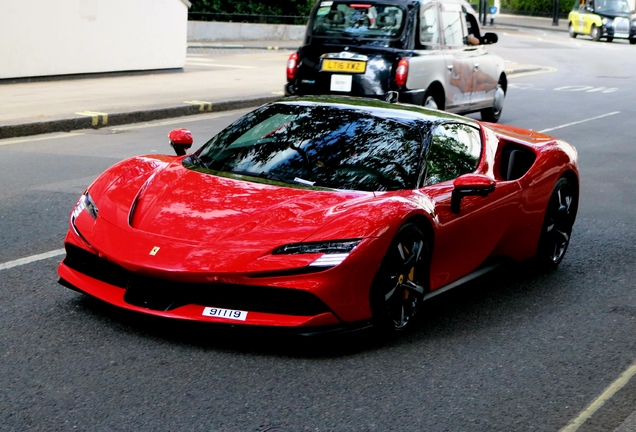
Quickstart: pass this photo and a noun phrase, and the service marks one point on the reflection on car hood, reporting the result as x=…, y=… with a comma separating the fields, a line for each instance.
x=192, y=206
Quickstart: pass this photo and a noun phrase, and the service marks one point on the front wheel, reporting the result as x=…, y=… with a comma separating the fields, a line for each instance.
x=493, y=113
x=398, y=289
x=632, y=41
x=609, y=39
x=595, y=33
x=557, y=224
x=573, y=34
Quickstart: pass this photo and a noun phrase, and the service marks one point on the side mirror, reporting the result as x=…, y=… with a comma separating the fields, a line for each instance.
x=469, y=185
x=180, y=140
x=489, y=38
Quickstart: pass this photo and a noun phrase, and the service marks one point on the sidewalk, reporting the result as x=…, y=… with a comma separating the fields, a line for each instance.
x=71, y=103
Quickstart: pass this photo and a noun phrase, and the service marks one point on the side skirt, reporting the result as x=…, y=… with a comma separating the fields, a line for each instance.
x=470, y=276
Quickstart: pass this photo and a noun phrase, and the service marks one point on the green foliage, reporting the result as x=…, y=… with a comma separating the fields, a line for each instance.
x=256, y=7
x=541, y=6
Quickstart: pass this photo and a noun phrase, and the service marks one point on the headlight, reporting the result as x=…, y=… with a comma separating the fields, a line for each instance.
x=85, y=203
x=606, y=21
x=334, y=251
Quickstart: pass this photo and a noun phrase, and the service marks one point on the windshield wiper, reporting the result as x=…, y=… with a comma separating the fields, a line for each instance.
x=263, y=174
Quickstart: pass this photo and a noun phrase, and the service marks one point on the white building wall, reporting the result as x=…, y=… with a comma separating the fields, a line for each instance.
x=59, y=37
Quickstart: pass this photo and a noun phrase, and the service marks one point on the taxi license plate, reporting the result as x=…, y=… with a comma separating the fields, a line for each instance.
x=344, y=66
x=232, y=314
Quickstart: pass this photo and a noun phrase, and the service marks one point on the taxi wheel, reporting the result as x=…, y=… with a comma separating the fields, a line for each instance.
x=573, y=34
x=632, y=41
x=493, y=113
x=595, y=33
x=609, y=39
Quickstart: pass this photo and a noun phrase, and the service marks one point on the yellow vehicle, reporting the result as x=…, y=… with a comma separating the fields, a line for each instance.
x=608, y=19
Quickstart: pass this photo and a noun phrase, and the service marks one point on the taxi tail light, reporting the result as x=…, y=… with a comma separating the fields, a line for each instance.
x=292, y=66
x=402, y=72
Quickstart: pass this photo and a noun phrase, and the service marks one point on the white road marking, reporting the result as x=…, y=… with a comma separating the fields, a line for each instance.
x=32, y=258
x=524, y=74
x=24, y=140
x=579, y=122
x=600, y=401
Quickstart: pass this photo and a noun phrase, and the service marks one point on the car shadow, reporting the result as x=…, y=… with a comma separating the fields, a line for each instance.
x=470, y=307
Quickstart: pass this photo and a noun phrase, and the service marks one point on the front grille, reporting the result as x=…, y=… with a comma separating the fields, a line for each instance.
x=160, y=294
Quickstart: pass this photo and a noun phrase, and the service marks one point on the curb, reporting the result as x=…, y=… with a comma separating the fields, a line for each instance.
x=116, y=119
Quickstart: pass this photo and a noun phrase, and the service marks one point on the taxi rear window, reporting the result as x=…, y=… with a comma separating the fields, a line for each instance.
x=358, y=20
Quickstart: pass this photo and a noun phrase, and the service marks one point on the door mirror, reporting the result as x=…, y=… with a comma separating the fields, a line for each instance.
x=180, y=140
x=489, y=38
x=469, y=185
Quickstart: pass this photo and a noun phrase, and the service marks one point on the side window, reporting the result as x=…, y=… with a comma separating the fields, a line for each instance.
x=453, y=28
x=455, y=149
x=429, y=27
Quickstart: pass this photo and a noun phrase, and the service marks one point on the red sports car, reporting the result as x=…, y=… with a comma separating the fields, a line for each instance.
x=321, y=213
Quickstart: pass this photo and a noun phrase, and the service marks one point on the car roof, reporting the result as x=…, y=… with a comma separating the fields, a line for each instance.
x=404, y=113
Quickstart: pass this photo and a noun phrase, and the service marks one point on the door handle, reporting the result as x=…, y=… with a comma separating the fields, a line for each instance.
x=449, y=67
x=475, y=66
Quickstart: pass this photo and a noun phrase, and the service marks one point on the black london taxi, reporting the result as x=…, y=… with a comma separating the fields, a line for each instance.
x=422, y=52
x=609, y=19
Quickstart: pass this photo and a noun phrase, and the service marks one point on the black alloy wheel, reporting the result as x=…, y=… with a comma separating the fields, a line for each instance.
x=401, y=281
x=557, y=224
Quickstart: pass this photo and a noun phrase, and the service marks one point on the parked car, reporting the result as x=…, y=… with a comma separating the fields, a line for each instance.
x=422, y=52
x=609, y=19
x=321, y=213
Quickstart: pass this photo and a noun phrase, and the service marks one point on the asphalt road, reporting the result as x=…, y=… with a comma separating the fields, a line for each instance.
x=513, y=351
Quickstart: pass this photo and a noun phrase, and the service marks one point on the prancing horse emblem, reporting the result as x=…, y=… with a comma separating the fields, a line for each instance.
x=154, y=250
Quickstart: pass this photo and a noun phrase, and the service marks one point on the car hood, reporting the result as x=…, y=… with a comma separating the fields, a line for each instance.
x=198, y=207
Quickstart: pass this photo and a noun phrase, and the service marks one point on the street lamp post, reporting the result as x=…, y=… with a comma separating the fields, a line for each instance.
x=555, y=12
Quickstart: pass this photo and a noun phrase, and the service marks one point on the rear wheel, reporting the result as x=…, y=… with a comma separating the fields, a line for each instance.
x=557, y=224
x=493, y=113
x=573, y=34
x=595, y=33
x=432, y=100
x=401, y=281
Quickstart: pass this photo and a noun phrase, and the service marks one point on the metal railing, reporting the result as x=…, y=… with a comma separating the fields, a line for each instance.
x=248, y=18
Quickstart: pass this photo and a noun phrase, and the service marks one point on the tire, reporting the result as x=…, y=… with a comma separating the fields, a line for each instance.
x=632, y=41
x=493, y=113
x=609, y=39
x=595, y=33
x=398, y=289
x=430, y=101
x=573, y=34
x=557, y=225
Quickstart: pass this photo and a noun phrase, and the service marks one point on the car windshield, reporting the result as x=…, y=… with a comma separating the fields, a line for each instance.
x=316, y=145
x=350, y=19
x=616, y=6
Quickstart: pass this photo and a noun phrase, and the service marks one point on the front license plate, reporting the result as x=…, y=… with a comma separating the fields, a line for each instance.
x=237, y=315
x=344, y=66
x=341, y=83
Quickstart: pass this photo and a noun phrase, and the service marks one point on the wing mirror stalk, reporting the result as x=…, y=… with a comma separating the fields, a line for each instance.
x=470, y=185
x=180, y=140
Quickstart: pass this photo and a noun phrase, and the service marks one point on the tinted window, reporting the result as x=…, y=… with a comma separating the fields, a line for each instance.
x=429, y=28
x=347, y=19
x=455, y=150
x=616, y=6
x=317, y=146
